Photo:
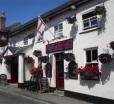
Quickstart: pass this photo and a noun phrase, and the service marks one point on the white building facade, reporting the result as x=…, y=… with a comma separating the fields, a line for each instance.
x=78, y=32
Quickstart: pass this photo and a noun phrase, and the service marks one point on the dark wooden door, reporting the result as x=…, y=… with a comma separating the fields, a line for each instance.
x=59, y=72
x=14, y=72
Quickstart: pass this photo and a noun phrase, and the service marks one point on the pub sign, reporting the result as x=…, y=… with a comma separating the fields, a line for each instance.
x=59, y=46
x=3, y=38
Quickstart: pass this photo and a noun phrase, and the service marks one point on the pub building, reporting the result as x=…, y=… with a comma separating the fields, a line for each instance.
x=78, y=58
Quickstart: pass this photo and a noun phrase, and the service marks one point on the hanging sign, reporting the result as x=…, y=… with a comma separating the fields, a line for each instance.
x=3, y=38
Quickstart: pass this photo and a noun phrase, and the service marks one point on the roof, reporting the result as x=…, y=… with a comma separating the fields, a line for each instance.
x=16, y=50
x=50, y=14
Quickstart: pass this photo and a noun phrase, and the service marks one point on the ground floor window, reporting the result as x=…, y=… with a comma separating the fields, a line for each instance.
x=91, y=55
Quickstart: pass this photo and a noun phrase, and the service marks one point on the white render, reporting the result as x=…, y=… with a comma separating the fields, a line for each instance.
x=21, y=69
x=98, y=38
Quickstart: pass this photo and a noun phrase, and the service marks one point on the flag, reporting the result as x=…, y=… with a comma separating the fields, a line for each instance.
x=40, y=29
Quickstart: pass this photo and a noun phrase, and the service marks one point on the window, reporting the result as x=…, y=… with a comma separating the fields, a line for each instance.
x=58, y=30
x=90, y=20
x=91, y=55
x=26, y=41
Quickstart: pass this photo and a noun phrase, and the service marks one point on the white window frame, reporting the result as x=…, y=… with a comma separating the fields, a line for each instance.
x=59, y=32
x=90, y=19
x=90, y=22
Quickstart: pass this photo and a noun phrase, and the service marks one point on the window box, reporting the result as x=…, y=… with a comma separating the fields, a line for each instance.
x=89, y=72
x=105, y=58
x=112, y=45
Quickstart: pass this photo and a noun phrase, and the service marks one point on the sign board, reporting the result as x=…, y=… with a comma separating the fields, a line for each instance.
x=3, y=38
x=44, y=85
x=59, y=46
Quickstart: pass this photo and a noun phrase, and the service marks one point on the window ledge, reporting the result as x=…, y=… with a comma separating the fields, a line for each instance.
x=89, y=30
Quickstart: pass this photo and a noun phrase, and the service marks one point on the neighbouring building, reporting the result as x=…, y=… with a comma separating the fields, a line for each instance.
x=78, y=45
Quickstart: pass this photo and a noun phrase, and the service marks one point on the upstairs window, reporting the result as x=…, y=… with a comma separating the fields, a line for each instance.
x=90, y=20
x=58, y=30
x=91, y=55
x=26, y=41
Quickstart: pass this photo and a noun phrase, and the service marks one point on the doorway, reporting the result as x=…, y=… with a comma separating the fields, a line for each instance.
x=59, y=71
x=13, y=62
x=14, y=72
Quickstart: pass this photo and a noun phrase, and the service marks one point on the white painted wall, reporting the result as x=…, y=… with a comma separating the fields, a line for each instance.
x=97, y=38
x=104, y=87
x=101, y=39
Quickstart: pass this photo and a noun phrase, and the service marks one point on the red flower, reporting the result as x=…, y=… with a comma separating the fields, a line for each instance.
x=36, y=70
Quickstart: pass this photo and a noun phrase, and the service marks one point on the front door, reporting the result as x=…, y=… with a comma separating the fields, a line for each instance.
x=59, y=71
x=14, y=72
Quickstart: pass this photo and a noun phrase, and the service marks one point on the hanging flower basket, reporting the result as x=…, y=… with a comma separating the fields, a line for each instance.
x=44, y=59
x=89, y=72
x=112, y=45
x=36, y=70
x=71, y=19
x=29, y=59
x=100, y=10
x=69, y=56
x=37, y=53
x=105, y=58
x=7, y=62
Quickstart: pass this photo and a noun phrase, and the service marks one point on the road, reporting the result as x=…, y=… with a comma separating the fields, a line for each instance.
x=12, y=98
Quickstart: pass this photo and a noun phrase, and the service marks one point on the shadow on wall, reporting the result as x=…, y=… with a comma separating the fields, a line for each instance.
x=106, y=70
x=89, y=83
x=74, y=30
x=102, y=22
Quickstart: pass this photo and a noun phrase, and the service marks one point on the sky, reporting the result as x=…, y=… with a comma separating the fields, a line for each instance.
x=25, y=10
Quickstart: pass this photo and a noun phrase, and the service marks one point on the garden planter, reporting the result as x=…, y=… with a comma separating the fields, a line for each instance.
x=89, y=72
x=100, y=10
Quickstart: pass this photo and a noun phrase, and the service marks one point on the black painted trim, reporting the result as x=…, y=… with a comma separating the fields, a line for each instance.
x=88, y=98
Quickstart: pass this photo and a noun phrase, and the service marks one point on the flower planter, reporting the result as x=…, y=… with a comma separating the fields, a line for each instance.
x=112, y=45
x=36, y=70
x=105, y=58
x=89, y=72
x=100, y=10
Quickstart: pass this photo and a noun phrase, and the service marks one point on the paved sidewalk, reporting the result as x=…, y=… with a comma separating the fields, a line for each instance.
x=45, y=98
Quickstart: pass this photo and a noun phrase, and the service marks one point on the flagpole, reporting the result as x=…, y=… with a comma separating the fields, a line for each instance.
x=46, y=26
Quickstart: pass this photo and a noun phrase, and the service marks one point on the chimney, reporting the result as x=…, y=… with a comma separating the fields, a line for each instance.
x=2, y=20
